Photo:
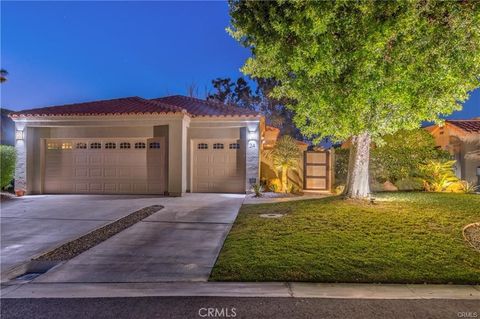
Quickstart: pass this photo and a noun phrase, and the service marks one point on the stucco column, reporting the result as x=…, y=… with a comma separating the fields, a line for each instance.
x=177, y=156
x=21, y=162
x=252, y=155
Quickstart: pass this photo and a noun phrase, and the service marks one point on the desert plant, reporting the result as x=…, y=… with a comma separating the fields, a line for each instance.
x=438, y=176
x=257, y=189
x=285, y=156
x=7, y=158
x=462, y=187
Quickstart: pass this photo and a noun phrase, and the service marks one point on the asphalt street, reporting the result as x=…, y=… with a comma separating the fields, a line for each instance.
x=219, y=307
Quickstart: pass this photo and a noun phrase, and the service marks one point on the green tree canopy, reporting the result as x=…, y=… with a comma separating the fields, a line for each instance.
x=363, y=68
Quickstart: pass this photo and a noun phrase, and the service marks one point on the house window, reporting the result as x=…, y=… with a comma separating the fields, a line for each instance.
x=218, y=146
x=81, y=145
x=154, y=145
x=110, y=145
x=234, y=146
x=95, y=145
x=202, y=146
x=124, y=145
x=140, y=145
x=53, y=146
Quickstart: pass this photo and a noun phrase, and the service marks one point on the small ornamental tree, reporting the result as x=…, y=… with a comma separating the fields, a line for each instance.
x=285, y=156
x=362, y=69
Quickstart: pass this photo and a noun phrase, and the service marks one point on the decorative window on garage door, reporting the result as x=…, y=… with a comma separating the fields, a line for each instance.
x=155, y=145
x=81, y=145
x=202, y=146
x=110, y=145
x=140, y=145
x=218, y=146
x=234, y=146
x=124, y=145
x=54, y=146
x=95, y=145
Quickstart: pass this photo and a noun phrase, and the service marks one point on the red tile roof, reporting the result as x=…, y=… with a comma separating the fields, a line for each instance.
x=198, y=107
x=469, y=126
x=138, y=105
x=127, y=105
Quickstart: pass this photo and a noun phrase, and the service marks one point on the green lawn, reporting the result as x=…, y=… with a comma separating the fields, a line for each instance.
x=402, y=238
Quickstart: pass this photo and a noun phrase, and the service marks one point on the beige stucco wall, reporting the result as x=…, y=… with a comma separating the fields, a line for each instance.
x=469, y=165
x=91, y=132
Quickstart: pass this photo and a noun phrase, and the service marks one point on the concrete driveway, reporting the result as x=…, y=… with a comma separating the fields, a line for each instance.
x=32, y=224
x=179, y=243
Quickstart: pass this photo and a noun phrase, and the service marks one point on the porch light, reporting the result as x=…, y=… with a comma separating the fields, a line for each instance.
x=252, y=135
x=19, y=135
x=478, y=171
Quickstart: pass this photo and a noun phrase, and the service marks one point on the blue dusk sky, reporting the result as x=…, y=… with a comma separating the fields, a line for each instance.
x=67, y=52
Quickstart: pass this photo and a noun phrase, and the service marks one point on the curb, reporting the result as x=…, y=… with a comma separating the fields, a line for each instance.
x=241, y=289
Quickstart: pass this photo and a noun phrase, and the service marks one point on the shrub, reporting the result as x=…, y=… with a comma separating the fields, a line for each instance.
x=410, y=184
x=7, y=158
x=401, y=155
x=339, y=189
x=275, y=185
x=439, y=176
x=462, y=187
x=341, y=165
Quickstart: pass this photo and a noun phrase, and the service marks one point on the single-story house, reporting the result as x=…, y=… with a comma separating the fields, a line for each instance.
x=462, y=139
x=169, y=145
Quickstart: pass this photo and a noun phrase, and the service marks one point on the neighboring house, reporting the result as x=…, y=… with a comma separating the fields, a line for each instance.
x=462, y=139
x=168, y=145
x=314, y=171
x=7, y=136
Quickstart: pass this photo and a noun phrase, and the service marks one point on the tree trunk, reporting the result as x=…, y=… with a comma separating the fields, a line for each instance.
x=284, y=179
x=358, y=180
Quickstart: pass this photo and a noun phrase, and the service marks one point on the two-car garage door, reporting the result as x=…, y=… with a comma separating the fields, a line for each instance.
x=105, y=166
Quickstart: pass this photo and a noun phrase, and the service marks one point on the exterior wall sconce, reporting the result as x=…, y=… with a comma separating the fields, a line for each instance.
x=252, y=135
x=19, y=135
x=478, y=171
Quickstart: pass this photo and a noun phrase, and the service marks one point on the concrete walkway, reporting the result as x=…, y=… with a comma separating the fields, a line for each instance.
x=179, y=243
x=234, y=289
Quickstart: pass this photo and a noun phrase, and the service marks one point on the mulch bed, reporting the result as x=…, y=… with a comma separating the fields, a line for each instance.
x=77, y=246
x=471, y=233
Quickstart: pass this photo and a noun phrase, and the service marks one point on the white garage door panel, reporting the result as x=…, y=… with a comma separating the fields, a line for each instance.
x=217, y=169
x=69, y=169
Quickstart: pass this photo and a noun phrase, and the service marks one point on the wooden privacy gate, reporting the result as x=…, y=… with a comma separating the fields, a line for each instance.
x=317, y=170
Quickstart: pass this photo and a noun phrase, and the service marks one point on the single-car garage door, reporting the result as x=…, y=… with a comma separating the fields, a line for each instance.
x=218, y=166
x=105, y=166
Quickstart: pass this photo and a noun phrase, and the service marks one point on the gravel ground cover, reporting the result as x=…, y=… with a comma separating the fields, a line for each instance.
x=77, y=246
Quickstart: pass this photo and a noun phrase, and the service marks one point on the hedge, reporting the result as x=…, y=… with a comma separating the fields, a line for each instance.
x=7, y=158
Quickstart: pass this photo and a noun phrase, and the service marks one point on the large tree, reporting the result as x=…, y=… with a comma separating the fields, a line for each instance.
x=363, y=69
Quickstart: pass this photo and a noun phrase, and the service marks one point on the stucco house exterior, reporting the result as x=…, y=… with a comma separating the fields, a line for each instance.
x=462, y=139
x=169, y=145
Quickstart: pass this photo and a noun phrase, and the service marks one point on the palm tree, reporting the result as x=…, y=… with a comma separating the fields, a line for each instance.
x=3, y=75
x=285, y=156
